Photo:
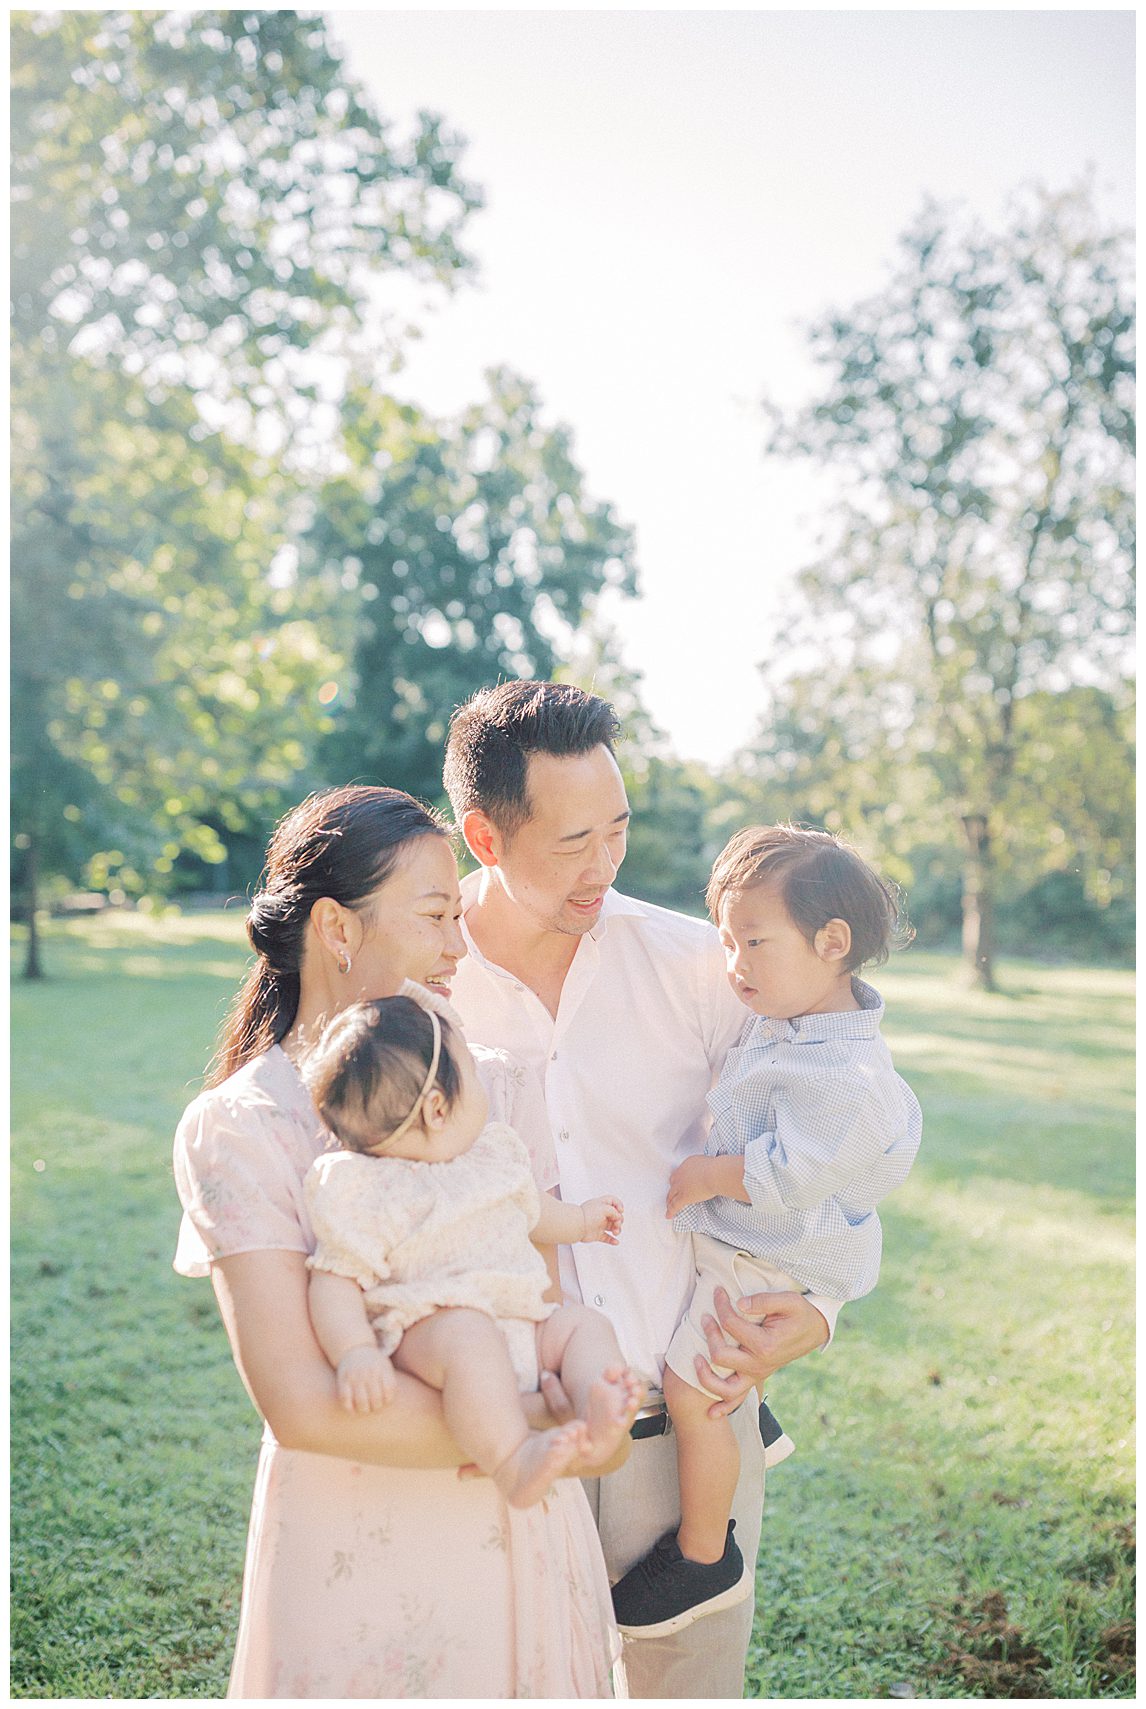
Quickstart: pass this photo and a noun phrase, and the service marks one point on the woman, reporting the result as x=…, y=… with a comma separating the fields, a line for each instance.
x=372, y=1570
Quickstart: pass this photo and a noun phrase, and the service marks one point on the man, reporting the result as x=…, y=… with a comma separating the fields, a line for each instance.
x=624, y=1012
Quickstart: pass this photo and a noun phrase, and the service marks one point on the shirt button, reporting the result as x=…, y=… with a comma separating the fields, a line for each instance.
x=553, y=1058
x=563, y=1133
x=598, y=1299
x=519, y=988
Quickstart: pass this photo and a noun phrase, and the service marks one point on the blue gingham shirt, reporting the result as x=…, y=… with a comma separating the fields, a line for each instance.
x=826, y=1128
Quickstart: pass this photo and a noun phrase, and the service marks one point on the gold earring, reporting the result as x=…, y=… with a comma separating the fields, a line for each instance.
x=343, y=957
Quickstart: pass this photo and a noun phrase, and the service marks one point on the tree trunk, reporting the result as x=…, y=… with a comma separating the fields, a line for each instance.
x=978, y=902
x=33, y=967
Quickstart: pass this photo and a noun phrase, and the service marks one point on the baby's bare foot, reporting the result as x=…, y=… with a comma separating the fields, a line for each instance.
x=528, y=1472
x=614, y=1401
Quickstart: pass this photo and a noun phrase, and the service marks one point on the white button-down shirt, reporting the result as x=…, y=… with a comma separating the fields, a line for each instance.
x=645, y=1020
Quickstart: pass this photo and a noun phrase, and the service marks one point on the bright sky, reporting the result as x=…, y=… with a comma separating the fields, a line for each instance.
x=669, y=193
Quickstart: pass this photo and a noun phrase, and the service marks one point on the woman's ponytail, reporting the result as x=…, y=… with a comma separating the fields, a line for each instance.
x=267, y=1001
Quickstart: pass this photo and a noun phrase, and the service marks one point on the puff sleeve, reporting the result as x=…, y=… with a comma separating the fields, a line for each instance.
x=356, y=1220
x=505, y=1145
x=517, y=1098
x=239, y=1182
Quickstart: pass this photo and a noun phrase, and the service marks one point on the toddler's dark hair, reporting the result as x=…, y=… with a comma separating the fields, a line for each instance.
x=820, y=878
x=367, y=1069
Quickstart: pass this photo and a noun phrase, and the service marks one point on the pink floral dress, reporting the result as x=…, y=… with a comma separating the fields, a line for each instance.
x=366, y=1581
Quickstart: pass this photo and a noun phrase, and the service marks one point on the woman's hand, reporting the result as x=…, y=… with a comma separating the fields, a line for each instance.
x=365, y=1379
x=263, y=1300
x=786, y=1328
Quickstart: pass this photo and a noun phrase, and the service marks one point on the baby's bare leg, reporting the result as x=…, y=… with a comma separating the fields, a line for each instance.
x=464, y=1355
x=708, y=1463
x=579, y=1344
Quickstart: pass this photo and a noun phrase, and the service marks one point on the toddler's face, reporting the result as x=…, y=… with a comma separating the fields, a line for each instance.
x=772, y=967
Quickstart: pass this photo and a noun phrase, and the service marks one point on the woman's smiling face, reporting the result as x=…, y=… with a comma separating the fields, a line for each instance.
x=409, y=927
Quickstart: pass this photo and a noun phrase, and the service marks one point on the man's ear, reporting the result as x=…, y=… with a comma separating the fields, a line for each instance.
x=834, y=941
x=483, y=839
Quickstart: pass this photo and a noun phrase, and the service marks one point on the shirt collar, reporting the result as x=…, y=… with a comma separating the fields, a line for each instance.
x=820, y=1029
x=614, y=907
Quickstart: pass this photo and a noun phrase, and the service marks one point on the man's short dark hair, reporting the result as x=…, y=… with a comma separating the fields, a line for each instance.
x=495, y=731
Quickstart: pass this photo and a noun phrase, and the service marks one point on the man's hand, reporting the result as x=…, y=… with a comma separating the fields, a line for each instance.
x=365, y=1379
x=690, y=1184
x=773, y=1330
x=603, y=1219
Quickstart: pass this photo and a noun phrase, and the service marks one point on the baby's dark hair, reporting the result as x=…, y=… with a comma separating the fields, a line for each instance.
x=369, y=1065
x=819, y=878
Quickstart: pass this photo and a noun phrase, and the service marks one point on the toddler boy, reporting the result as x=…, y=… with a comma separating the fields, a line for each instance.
x=811, y=1128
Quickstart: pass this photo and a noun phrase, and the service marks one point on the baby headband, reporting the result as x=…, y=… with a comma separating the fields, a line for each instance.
x=426, y=1083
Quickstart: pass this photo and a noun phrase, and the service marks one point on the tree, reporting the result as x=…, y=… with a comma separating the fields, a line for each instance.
x=206, y=198
x=155, y=660
x=202, y=202
x=976, y=414
x=833, y=760
x=472, y=553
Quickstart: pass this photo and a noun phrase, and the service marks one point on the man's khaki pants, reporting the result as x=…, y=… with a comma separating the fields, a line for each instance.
x=636, y=1506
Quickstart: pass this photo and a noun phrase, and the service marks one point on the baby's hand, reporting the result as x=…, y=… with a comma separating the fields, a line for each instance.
x=603, y=1219
x=365, y=1379
x=689, y=1184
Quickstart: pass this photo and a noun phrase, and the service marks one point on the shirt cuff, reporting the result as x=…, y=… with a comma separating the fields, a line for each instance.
x=759, y=1177
x=829, y=1310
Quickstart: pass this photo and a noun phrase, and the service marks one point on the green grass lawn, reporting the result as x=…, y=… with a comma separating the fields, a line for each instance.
x=958, y=1517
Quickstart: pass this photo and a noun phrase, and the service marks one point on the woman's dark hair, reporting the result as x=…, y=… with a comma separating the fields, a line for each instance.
x=341, y=843
x=369, y=1065
x=493, y=734
x=819, y=878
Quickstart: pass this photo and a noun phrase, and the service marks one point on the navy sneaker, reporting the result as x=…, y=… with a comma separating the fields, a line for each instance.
x=665, y=1592
x=777, y=1443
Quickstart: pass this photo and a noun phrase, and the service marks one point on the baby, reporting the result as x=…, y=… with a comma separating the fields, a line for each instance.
x=424, y=1260
x=811, y=1128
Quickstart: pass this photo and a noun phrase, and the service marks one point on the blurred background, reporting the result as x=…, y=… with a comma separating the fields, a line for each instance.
x=768, y=372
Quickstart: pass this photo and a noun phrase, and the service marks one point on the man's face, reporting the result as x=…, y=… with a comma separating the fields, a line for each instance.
x=558, y=865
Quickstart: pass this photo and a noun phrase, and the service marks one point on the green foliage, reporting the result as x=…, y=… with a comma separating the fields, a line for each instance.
x=219, y=195
x=154, y=662
x=976, y=414
x=671, y=838
x=202, y=203
x=240, y=569
x=1065, y=841
x=471, y=552
x=965, y=1437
